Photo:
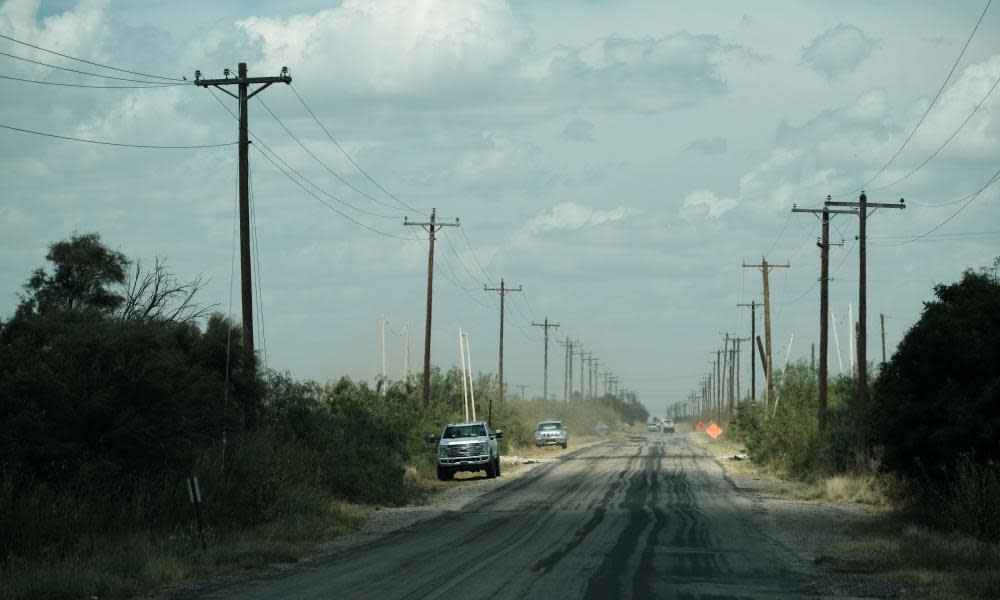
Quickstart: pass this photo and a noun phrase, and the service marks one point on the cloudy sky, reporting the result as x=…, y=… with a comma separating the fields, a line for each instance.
x=620, y=160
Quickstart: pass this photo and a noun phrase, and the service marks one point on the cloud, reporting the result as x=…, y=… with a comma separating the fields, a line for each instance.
x=579, y=130
x=709, y=146
x=640, y=74
x=704, y=203
x=571, y=216
x=392, y=47
x=838, y=51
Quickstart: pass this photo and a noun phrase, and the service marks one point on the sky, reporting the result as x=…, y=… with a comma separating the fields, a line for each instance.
x=620, y=161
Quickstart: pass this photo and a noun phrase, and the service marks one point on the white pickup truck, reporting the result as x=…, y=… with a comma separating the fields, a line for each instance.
x=468, y=446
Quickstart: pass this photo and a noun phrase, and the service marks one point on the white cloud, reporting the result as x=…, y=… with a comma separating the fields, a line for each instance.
x=79, y=31
x=838, y=50
x=571, y=216
x=391, y=47
x=704, y=203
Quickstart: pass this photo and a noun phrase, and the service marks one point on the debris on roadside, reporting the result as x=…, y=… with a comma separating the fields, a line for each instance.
x=508, y=459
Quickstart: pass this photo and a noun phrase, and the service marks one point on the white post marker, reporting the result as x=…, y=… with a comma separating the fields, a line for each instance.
x=472, y=388
x=465, y=389
x=850, y=336
x=836, y=341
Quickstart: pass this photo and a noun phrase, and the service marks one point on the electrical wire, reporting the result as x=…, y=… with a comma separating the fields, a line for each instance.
x=346, y=154
x=780, y=234
x=941, y=147
x=328, y=169
x=971, y=198
x=89, y=62
x=931, y=105
x=474, y=256
x=267, y=153
x=74, y=139
x=99, y=87
x=45, y=64
x=256, y=259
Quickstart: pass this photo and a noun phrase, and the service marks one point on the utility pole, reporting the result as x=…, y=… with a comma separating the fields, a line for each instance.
x=503, y=290
x=523, y=387
x=824, y=302
x=568, y=369
x=431, y=228
x=545, y=380
x=765, y=270
x=583, y=356
x=243, y=95
x=882, y=318
x=753, y=351
x=863, y=205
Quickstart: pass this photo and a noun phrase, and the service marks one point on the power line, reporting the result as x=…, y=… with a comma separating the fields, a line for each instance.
x=931, y=105
x=972, y=198
x=946, y=142
x=100, y=87
x=475, y=257
x=325, y=166
x=74, y=139
x=349, y=157
x=89, y=62
x=45, y=64
x=278, y=157
x=327, y=204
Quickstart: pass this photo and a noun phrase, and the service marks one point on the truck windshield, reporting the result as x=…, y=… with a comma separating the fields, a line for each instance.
x=549, y=426
x=464, y=431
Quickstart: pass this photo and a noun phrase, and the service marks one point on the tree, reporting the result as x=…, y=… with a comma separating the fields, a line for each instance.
x=83, y=272
x=939, y=395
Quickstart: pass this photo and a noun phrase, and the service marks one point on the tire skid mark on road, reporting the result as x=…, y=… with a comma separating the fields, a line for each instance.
x=546, y=564
x=611, y=575
x=538, y=512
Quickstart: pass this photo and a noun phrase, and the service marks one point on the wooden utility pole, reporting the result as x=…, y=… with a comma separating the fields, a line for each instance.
x=765, y=270
x=568, y=369
x=824, y=302
x=523, y=387
x=753, y=351
x=583, y=357
x=243, y=83
x=863, y=205
x=546, y=325
x=431, y=228
x=882, y=319
x=503, y=290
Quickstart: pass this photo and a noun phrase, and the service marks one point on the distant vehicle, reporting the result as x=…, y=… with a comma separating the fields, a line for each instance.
x=551, y=432
x=653, y=427
x=467, y=446
x=667, y=425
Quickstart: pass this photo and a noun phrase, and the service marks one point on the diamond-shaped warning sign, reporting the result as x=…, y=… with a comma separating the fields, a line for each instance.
x=699, y=426
x=714, y=431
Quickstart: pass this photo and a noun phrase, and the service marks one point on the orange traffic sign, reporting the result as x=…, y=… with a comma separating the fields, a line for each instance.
x=714, y=430
x=700, y=426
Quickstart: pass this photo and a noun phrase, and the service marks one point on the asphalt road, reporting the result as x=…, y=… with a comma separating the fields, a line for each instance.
x=644, y=517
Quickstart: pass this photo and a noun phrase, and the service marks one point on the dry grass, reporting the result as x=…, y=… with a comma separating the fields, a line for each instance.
x=940, y=565
x=144, y=563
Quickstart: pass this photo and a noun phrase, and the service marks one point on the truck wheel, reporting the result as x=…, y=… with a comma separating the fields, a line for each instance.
x=491, y=470
x=498, y=466
x=445, y=474
x=564, y=445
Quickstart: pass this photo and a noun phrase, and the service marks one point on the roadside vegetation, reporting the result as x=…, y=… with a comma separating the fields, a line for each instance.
x=932, y=453
x=116, y=386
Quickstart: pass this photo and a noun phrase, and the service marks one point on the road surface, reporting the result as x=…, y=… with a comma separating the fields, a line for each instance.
x=642, y=517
